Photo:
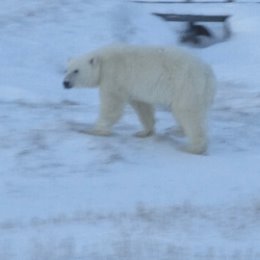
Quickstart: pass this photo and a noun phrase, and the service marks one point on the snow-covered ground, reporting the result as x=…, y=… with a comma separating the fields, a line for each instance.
x=65, y=195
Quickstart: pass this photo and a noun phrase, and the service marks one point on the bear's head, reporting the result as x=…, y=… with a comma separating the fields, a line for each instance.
x=82, y=72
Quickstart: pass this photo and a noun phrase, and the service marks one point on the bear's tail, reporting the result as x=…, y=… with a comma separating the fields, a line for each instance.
x=210, y=86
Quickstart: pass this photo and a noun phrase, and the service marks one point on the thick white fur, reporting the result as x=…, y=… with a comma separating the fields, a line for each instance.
x=143, y=77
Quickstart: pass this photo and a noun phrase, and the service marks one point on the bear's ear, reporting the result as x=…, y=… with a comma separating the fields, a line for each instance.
x=94, y=61
x=70, y=62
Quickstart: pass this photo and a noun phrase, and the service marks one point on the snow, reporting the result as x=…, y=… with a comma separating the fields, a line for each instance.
x=67, y=195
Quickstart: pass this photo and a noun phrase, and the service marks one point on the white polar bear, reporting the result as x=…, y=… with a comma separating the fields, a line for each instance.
x=144, y=76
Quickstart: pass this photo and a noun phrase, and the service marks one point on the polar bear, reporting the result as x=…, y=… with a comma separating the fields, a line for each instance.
x=144, y=76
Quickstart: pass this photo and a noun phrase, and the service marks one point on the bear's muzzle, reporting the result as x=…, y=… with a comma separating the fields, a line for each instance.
x=67, y=84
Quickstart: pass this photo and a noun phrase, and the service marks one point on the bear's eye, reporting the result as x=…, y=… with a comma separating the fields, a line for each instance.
x=76, y=71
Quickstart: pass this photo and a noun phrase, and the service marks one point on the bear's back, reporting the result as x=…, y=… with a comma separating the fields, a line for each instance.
x=169, y=58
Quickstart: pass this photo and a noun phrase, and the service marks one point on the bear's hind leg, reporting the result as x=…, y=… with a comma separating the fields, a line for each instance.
x=193, y=124
x=145, y=114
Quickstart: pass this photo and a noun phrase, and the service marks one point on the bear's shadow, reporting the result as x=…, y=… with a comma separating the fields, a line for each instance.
x=84, y=128
x=167, y=137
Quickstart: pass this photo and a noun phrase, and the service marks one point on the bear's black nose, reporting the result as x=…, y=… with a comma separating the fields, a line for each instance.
x=67, y=84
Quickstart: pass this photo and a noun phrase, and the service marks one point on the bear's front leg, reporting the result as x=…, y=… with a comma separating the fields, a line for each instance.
x=111, y=109
x=145, y=113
